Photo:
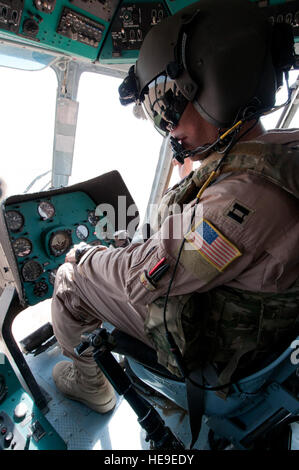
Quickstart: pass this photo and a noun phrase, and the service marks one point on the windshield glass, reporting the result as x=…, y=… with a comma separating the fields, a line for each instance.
x=25, y=59
x=27, y=128
x=271, y=120
x=109, y=137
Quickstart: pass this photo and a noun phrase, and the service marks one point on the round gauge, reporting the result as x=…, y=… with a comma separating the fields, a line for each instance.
x=15, y=220
x=22, y=247
x=40, y=289
x=93, y=218
x=82, y=232
x=52, y=276
x=31, y=270
x=46, y=210
x=60, y=242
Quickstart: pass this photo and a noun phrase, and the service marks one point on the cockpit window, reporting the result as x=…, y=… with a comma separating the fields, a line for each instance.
x=109, y=137
x=27, y=128
x=24, y=59
x=272, y=120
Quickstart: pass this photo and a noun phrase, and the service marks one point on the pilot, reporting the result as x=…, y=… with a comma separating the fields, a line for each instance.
x=220, y=272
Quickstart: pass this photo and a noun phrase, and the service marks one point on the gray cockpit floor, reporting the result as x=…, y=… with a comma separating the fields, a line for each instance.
x=82, y=428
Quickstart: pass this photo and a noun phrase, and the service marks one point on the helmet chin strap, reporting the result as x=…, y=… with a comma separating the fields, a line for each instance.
x=179, y=153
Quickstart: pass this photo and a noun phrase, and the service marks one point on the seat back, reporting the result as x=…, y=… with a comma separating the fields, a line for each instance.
x=253, y=405
x=258, y=401
x=251, y=389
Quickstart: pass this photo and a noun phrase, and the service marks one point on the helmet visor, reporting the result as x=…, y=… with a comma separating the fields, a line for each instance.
x=164, y=104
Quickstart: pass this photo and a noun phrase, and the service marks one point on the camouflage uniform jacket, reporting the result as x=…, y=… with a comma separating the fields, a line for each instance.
x=221, y=305
x=225, y=323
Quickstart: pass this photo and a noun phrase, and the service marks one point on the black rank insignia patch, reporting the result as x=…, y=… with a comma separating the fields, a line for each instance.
x=238, y=212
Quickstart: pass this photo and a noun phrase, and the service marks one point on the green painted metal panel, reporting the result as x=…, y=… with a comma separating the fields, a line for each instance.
x=108, y=55
x=47, y=24
x=22, y=427
x=72, y=210
x=46, y=32
x=143, y=11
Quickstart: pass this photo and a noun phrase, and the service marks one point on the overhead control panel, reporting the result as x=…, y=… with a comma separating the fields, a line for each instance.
x=283, y=13
x=101, y=9
x=131, y=24
x=108, y=31
x=10, y=14
x=132, y=21
x=74, y=27
x=80, y=28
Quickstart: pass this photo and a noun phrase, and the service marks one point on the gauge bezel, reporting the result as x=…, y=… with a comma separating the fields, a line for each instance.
x=92, y=218
x=55, y=252
x=18, y=240
x=39, y=283
x=51, y=205
x=19, y=229
x=31, y=261
x=86, y=228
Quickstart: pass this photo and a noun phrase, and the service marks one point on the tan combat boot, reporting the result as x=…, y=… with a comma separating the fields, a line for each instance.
x=95, y=391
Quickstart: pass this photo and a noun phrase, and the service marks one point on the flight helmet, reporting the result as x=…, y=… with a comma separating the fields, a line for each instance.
x=223, y=56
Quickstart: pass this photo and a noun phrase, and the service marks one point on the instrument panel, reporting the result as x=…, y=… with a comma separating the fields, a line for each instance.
x=43, y=230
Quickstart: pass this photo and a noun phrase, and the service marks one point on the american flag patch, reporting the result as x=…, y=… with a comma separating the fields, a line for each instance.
x=212, y=245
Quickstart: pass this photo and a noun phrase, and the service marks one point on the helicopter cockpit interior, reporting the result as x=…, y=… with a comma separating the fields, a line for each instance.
x=38, y=228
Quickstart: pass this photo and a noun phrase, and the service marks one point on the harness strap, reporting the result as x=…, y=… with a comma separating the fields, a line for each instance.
x=196, y=406
x=196, y=397
x=226, y=374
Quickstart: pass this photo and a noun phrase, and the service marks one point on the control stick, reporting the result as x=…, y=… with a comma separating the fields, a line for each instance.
x=148, y=418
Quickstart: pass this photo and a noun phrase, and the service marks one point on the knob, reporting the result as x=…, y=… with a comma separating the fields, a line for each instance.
x=20, y=410
x=8, y=438
x=30, y=27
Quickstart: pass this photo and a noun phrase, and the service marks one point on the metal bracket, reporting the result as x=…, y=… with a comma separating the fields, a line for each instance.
x=10, y=307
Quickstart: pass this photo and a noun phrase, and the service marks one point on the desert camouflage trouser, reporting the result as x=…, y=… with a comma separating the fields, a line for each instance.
x=78, y=309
